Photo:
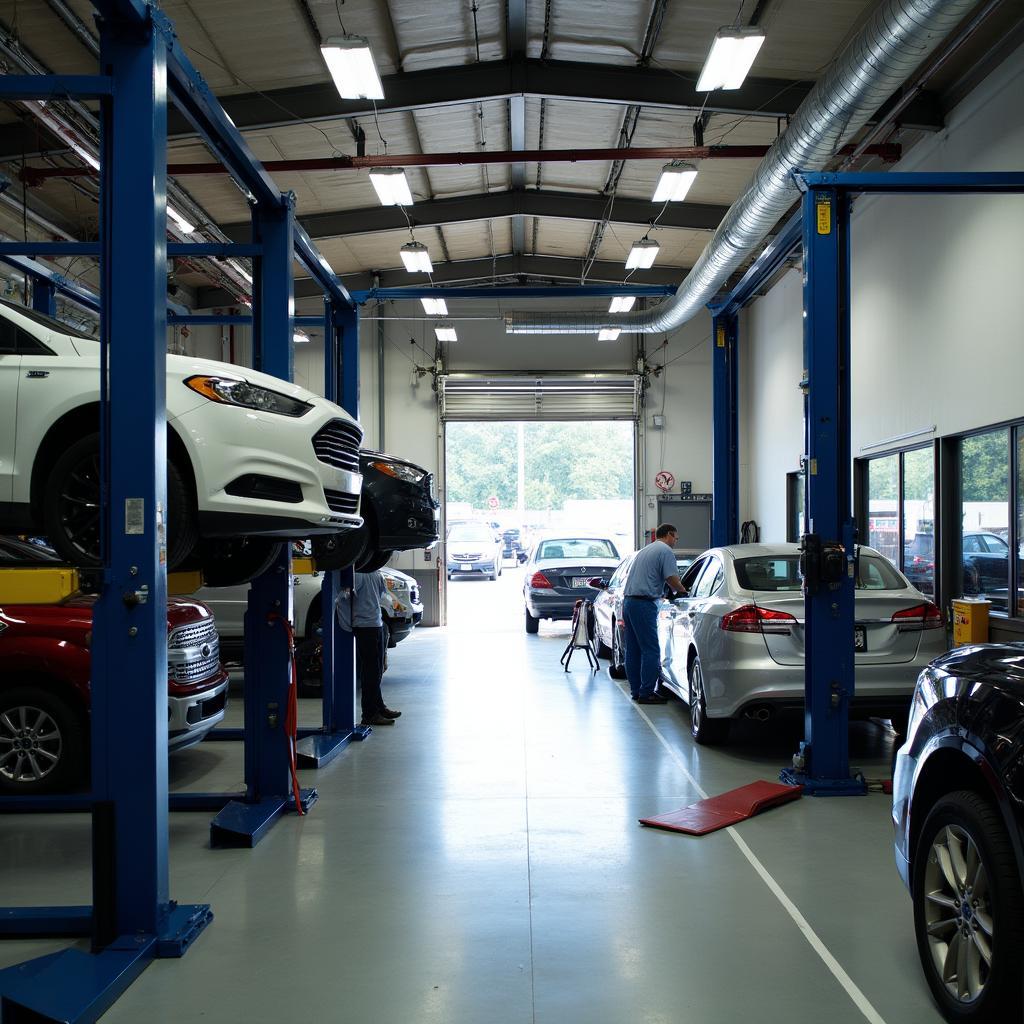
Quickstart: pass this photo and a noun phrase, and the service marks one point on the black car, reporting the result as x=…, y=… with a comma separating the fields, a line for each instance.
x=985, y=563
x=559, y=572
x=399, y=510
x=958, y=808
x=513, y=543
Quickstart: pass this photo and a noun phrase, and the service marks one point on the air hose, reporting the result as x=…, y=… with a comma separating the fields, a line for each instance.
x=291, y=717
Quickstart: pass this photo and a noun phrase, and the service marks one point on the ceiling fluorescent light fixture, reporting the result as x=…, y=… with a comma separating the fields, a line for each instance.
x=446, y=334
x=642, y=255
x=300, y=337
x=416, y=258
x=183, y=225
x=350, y=62
x=732, y=54
x=622, y=304
x=435, y=307
x=608, y=333
x=675, y=181
x=392, y=186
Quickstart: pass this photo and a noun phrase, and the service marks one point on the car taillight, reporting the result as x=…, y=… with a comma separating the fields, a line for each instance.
x=538, y=581
x=751, y=619
x=920, y=616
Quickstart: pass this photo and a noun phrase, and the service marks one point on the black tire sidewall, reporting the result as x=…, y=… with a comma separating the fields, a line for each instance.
x=980, y=818
x=72, y=769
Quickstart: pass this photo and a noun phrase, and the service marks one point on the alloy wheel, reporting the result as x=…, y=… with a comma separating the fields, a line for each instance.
x=30, y=744
x=958, y=913
x=80, y=506
x=696, y=697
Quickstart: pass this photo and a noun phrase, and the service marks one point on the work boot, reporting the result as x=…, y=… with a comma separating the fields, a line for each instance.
x=377, y=719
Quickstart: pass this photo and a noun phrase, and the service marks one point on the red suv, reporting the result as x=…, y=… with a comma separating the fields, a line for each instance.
x=44, y=689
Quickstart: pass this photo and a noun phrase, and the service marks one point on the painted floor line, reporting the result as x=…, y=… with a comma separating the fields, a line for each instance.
x=860, y=1000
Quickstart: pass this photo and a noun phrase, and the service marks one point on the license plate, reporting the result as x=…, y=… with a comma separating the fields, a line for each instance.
x=860, y=638
x=581, y=581
x=465, y=567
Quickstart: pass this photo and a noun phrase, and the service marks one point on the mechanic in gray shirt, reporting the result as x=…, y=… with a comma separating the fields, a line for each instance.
x=653, y=567
x=359, y=612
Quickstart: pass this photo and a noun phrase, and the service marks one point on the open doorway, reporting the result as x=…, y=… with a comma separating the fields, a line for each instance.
x=508, y=485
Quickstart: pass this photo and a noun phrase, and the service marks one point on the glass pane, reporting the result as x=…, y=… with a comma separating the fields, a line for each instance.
x=883, y=513
x=1020, y=521
x=985, y=474
x=919, y=519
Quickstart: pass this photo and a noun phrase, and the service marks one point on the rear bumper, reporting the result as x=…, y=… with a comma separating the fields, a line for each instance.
x=553, y=606
x=191, y=717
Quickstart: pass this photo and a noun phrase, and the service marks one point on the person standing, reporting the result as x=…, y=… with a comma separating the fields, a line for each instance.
x=652, y=568
x=359, y=613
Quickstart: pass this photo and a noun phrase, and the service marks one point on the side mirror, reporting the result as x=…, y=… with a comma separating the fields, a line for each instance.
x=597, y=583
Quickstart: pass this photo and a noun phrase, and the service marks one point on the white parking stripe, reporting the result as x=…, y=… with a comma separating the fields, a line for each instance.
x=860, y=1000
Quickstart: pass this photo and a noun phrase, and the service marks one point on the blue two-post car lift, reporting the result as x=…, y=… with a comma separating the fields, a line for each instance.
x=132, y=919
x=822, y=230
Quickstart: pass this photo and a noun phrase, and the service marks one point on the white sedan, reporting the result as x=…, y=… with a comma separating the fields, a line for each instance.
x=248, y=455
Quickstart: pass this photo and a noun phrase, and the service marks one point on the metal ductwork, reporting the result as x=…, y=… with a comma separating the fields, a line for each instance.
x=876, y=62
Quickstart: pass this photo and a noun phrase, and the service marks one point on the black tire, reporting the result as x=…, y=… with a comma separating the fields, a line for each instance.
x=339, y=550
x=704, y=730
x=71, y=507
x=603, y=650
x=388, y=641
x=374, y=560
x=617, y=668
x=59, y=760
x=230, y=562
x=961, y=822
x=532, y=623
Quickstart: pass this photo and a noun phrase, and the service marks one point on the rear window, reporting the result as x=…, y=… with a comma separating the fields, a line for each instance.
x=583, y=547
x=782, y=573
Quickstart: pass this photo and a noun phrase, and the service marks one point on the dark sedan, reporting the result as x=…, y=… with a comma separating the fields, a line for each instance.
x=958, y=790
x=399, y=510
x=558, y=573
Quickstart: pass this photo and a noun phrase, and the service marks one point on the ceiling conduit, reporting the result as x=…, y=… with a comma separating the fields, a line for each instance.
x=876, y=62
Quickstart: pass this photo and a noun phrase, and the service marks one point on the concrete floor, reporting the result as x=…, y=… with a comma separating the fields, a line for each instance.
x=481, y=863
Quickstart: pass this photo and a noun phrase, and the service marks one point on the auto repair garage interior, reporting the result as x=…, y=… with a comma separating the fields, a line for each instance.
x=780, y=237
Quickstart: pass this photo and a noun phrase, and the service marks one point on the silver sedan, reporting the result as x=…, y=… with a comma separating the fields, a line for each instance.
x=734, y=647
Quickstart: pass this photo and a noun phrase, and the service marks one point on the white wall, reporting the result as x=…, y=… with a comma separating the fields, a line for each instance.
x=937, y=334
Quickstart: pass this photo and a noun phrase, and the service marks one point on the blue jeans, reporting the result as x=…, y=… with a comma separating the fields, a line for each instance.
x=643, y=654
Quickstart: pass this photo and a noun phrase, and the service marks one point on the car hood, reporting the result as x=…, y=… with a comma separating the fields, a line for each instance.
x=469, y=546
x=1002, y=665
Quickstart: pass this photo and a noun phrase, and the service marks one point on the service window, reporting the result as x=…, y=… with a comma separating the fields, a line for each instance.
x=985, y=490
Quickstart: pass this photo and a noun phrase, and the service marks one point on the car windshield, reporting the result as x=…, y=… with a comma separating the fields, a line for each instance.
x=472, y=534
x=782, y=573
x=577, y=547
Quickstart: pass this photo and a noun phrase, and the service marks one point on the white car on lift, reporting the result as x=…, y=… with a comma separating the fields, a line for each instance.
x=251, y=459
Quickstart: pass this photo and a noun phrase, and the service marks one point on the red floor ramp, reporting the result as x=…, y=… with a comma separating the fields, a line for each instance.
x=721, y=811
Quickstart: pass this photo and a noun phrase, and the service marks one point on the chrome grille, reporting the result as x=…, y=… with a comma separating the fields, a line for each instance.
x=337, y=444
x=193, y=635
x=192, y=671
x=341, y=502
x=466, y=558
x=193, y=652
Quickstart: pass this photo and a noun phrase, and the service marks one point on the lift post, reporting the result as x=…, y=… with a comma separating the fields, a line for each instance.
x=725, y=415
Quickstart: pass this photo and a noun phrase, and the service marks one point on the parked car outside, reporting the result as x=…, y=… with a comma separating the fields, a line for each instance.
x=44, y=689
x=248, y=455
x=401, y=609
x=986, y=566
x=515, y=544
x=558, y=573
x=473, y=549
x=734, y=647
x=958, y=794
x=399, y=510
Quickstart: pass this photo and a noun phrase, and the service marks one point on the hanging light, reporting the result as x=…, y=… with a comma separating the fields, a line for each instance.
x=446, y=333
x=435, y=307
x=300, y=338
x=392, y=186
x=622, y=304
x=350, y=62
x=732, y=54
x=675, y=181
x=416, y=258
x=183, y=225
x=642, y=254
x=608, y=333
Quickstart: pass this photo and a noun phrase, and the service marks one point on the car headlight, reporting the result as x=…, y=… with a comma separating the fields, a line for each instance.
x=228, y=391
x=400, y=471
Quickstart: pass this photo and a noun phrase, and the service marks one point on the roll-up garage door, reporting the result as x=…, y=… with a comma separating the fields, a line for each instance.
x=593, y=396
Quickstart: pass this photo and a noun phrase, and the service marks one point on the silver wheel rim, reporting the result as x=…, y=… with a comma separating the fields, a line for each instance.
x=696, y=697
x=958, y=914
x=30, y=744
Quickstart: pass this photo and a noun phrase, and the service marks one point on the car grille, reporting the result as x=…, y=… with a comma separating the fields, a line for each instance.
x=466, y=558
x=341, y=502
x=193, y=652
x=337, y=444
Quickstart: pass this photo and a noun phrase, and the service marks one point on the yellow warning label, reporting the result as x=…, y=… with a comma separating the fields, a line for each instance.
x=720, y=337
x=824, y=212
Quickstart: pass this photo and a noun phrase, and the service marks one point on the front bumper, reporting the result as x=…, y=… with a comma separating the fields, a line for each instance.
x=226, y=443
x=468, y=568
x=191, y=717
